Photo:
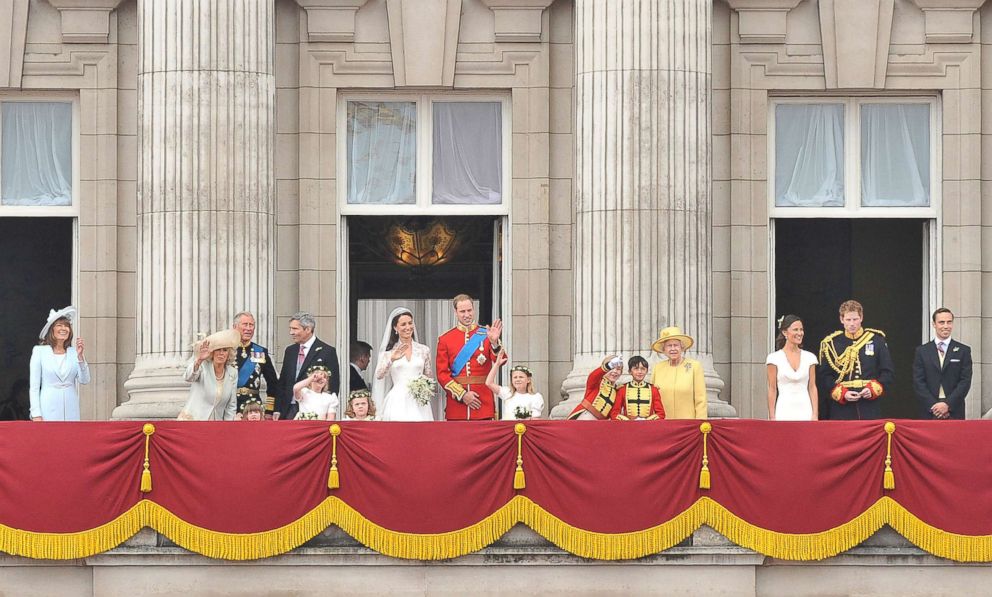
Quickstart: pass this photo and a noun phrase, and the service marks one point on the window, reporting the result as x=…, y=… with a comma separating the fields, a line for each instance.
x=845, y=155
x=36, y=153
x=428, y=153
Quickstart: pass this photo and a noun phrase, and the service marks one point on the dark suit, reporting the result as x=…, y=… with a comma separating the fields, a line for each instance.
x=320, y=353
x=954, y=376
x=357, y=382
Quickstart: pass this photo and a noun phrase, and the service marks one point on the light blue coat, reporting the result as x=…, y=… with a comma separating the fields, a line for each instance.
x=54, y=396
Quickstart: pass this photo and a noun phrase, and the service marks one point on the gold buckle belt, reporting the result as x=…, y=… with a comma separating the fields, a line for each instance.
x=470, y=379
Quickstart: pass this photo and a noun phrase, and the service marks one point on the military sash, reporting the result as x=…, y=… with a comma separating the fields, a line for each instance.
x=247, y=368
x=473, y=344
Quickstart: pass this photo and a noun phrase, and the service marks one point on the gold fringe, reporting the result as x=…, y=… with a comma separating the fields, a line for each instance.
x=889, y=478
x=587, y=544
x=519, y=481
x=146, y=474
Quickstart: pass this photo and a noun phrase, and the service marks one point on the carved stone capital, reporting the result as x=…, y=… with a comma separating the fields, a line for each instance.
x=949, y=21
x=762, y=21
x=331, y=20
x=518, y=20
x=85, y=21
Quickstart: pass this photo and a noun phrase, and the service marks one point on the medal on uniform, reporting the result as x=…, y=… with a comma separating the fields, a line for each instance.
x=257, y=356
x=481, y=359
x=870, y=349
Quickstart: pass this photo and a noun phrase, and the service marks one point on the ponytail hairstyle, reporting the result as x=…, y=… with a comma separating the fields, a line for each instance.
x=783, y=324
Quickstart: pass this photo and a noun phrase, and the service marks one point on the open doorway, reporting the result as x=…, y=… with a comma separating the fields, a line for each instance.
x=820, y=263
x=36, y=270
x=421, y=262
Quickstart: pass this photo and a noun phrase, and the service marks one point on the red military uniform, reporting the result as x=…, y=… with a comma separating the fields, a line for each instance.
x=471, y=377
x=599, y=398
x=638, y=400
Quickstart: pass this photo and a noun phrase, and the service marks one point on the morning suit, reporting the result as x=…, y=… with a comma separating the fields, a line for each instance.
x=952, y=373
x=320, y=353
x=357, y=382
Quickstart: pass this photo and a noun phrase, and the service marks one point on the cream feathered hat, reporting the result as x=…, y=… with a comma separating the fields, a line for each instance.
x=53, y=316
x=229, y=338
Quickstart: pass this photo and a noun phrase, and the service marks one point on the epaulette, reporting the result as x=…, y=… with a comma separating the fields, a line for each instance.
x=831, y=337
x=880, y=332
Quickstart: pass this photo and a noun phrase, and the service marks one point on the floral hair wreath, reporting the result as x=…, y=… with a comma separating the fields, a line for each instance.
x=359, y=394
x=316, y=368
x=252, y=401
x=523, y=369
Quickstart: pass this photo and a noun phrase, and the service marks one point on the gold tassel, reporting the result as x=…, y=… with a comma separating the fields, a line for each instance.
x=889, y=478
x=519, y=482
x=333, y=481
x=146, y=473
x=704, y=474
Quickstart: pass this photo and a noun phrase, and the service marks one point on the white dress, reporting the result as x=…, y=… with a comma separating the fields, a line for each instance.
x=793, y=402
x=398, y=404
x=531, y=402
x=321, y=404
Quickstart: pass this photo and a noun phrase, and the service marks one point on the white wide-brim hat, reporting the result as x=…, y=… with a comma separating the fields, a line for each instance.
x=229, y=338
x=53, y=316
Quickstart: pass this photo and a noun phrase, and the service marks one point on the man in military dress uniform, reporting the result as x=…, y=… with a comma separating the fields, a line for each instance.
x=465, y=354
x=855, y=368
x=254, y=364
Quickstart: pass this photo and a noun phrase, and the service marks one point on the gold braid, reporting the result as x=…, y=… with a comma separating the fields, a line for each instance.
x=844, y=363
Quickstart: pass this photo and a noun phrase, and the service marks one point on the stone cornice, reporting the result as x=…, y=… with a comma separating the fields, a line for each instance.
x=518, y=20
x=949, y=21
x=85, y=21
x=331, y=20
x=762, y=21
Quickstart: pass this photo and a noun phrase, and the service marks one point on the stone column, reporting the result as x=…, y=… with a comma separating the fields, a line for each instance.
x=206, y=117
x=643, y=254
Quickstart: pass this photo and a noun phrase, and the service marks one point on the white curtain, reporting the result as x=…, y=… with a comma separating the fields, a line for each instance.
x=37, y=153
x=382, y=152
x=809, y=155
x=895, y=155
x=468, y=152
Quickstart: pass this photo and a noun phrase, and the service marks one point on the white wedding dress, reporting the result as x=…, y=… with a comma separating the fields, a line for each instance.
x=398, y=403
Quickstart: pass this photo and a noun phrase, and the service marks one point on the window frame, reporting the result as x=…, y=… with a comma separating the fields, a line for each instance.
x=852, y=207
x=425, y=154
x=49, y=211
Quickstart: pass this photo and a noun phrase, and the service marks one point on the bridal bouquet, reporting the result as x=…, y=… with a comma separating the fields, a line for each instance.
x=423, y=389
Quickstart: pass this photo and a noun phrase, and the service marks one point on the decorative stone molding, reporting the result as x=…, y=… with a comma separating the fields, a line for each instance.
x=425, y=57
x=949, y=21
x=14, y=22
x=518, y=20
x=762, y=21
x=855, y=35
x=85, y=21
x=331, y=20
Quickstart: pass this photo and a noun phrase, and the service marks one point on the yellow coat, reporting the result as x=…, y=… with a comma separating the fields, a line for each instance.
x=683, y=389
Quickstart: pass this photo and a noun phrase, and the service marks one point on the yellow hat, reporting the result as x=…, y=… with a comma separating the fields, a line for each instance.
x=671, y=333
